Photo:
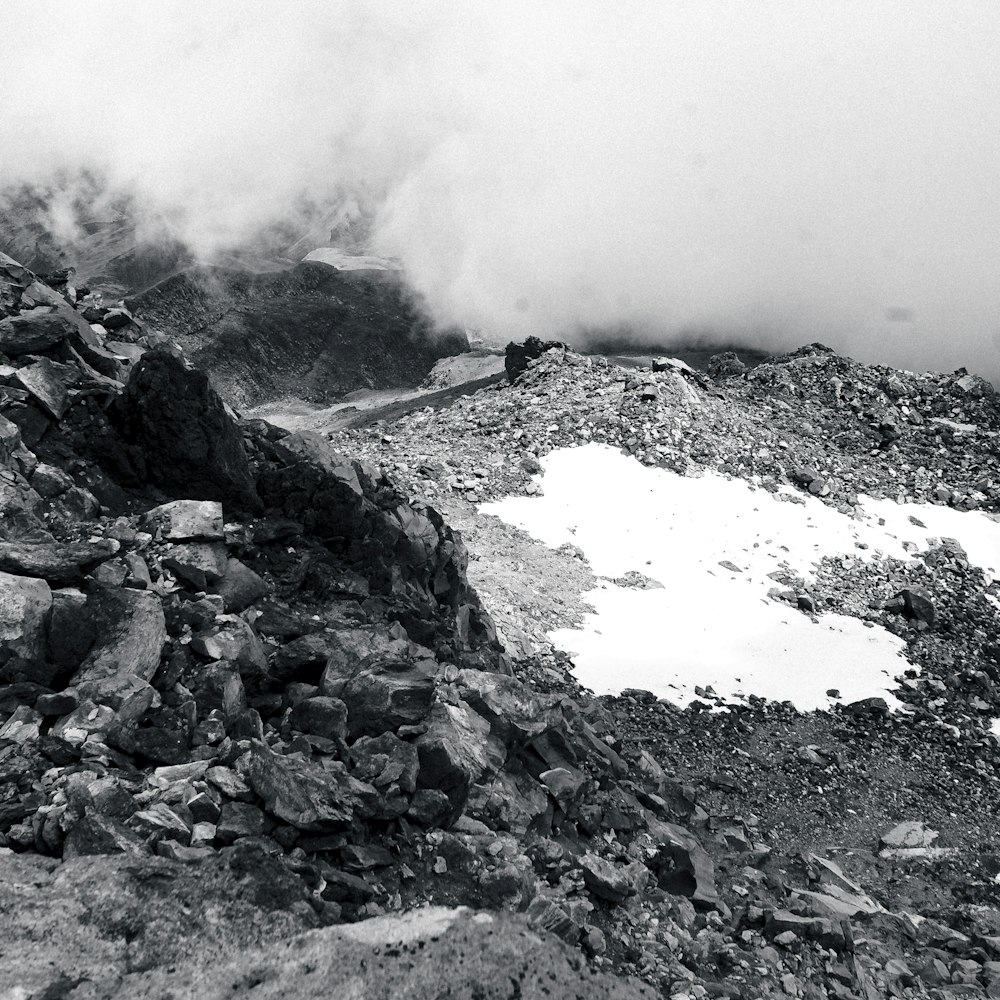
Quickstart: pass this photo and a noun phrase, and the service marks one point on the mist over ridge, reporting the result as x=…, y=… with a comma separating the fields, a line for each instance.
x=769, y=174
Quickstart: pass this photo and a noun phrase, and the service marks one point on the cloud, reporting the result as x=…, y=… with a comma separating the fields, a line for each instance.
x=772, y=173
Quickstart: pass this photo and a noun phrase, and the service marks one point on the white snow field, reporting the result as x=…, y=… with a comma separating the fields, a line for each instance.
x=710, y=625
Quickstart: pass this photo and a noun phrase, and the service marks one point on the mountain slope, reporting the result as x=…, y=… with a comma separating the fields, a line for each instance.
x=312, y=332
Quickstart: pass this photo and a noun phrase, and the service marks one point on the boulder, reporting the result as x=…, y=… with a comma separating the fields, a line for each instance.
x=381, y=695
x=72, y=629
x=131, y=631
x=187, y=521
x=24, y=608
x=305, y=795
x=60, y=563
x=49, y=482
x=175, y=432
x=97, y=834
x=233, y=640
x=10, y=440
x=48, y=382
x=606, y=880
x=34, y=330
x=325, y=717
x=724, y=366
x=197, y=564
x=385, y=760
x=239, y=586
x=456, y=750
x=686, y=869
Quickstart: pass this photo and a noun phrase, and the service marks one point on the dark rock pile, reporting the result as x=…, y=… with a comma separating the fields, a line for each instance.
x=221, y=641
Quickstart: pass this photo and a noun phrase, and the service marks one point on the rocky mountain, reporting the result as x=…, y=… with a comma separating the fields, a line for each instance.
x=264, y=324
x=260, y=733
x=312, y=332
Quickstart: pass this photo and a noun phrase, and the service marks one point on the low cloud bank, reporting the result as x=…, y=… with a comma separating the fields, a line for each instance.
x=769, y=174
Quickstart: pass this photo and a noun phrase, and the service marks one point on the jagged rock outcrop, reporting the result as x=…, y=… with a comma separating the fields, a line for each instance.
x=176, y=434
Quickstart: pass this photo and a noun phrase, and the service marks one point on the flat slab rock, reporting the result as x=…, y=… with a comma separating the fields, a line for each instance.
x=57, y=562
x=188, y=521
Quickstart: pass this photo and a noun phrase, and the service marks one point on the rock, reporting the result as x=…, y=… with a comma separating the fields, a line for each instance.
x=320, y=716
x=49, y=482
x=547, y=916
x=380, y=697
x=563, y=785
x=303, y=794
x=868, y=707
x=908, y=835
x=686, y=867
x=230, y=638
x=98, y=834
x=358, y=857
x=239, y=819
x=176, y=433
x=385, y=761
x=10, y=440
x=518, y=356
x=197, y=564
x=34, y=330
x=456, y=750
x=829, y=933
x=605, y=880
x=188, y=521
x=47, y=382
x=342, y=887
x=239, y=586
x=72, y=629
x=24, y=609
x=430, y=807
x=22, y=726
x=724, y=366
x=59, y=703
x=130, y=633
x=59, y=563
x=918, y=604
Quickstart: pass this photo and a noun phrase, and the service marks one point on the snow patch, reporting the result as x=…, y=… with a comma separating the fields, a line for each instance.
x=712, y=625
x=344, y=261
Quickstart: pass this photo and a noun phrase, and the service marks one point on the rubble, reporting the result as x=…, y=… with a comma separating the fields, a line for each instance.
x=250, y=656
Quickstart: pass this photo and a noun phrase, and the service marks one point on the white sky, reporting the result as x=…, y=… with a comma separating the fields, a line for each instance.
x=779, y=172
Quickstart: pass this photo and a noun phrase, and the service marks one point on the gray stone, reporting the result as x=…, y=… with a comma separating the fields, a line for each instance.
x=49, y=482
x=321, y=716
x=24, y=606
x=197, y=564
x=303, y=794
x=239, y=586
x=606, y=880
x=188, y=521
x=48, y=383
x=34, y=330
x=56, y=562
x=131, y=631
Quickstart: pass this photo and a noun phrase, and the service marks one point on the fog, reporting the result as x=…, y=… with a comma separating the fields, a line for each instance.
x=769, y=173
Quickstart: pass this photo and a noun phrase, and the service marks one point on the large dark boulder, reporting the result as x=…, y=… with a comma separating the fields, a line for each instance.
x=175, y=433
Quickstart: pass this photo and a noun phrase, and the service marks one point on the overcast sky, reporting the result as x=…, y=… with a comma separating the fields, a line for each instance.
x=770, y=172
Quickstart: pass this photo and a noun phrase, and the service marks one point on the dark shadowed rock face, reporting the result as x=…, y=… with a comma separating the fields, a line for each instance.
x=176, y=433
